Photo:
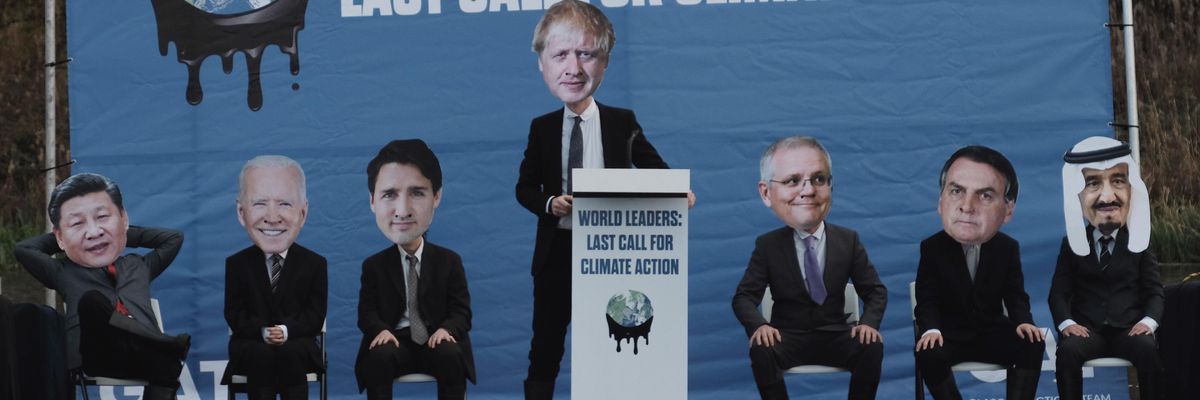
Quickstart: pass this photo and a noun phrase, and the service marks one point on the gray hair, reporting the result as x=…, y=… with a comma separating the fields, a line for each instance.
x=273, y=161
x=765, y=167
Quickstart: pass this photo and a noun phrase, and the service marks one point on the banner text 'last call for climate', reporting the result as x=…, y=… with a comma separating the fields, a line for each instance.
x=387, y=8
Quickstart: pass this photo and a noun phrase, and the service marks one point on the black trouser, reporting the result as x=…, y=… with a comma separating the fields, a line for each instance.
x=112, y=352
x=277, y=366
x=835, y=349
x=1141, y=350
x=551, y=310
x=386, y=362
x=996, y=346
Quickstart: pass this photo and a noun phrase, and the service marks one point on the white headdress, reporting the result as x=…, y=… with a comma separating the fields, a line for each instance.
x=1103, y=153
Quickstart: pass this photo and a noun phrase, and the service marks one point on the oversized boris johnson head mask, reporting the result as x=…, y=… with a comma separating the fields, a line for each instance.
x=1103, y=184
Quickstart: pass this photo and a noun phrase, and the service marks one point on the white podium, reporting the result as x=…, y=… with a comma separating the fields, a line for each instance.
x=629, y=280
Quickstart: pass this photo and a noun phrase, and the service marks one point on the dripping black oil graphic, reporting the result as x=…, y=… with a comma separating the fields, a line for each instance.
x=198, y=34
x=629, y=316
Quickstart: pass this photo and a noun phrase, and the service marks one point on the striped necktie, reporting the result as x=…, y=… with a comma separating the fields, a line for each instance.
x=1105, y=255
x=276, y=268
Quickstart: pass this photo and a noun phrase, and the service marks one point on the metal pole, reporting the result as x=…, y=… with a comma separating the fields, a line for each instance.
x=1130, y=78
x=51, y=130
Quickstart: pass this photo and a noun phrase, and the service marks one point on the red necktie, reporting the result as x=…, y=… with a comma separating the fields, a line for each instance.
x=112, y=275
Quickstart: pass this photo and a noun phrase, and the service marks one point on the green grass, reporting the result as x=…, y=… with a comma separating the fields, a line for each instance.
x=1175, y=233
x=1167, y=39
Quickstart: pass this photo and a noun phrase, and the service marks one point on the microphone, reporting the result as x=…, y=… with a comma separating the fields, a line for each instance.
x=629, y=145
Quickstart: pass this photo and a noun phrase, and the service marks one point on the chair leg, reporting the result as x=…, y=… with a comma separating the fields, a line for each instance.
x=82, y=383
x=920, y=386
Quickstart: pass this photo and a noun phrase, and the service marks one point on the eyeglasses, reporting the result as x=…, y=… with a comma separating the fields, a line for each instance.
x=795, y=181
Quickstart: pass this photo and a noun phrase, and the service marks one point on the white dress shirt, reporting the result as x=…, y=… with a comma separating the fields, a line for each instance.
x=593, y=148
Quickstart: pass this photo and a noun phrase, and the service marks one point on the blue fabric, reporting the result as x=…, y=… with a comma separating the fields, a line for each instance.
x=890, y=87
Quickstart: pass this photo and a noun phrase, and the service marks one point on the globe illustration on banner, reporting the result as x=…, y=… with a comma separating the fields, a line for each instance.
x=228, y=6
x=629, y=316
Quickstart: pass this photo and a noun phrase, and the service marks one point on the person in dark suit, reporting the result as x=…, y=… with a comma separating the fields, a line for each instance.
x=275, y=290
x=970, y=276
x=111, y=327
x=414, y=308
x=1106, y=296
x=806, y=265
x=573, y=41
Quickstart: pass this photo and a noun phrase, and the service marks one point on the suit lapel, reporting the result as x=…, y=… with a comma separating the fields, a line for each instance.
x=1120, y=252
x=787, y=245
x=834, y=242
x=259, y=275
x=426, y=273
x=394, y=270
x=287, y=274
x=610, y=128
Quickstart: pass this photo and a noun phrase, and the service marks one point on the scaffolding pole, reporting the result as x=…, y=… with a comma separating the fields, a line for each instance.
x=50, y=130
x=1130, y=79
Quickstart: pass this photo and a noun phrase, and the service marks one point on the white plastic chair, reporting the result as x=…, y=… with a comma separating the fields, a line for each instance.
x=967, y=366
x=237, y=383
x=852, y=315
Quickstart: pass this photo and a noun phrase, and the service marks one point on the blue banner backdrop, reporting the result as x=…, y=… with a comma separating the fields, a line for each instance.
x=891, y=88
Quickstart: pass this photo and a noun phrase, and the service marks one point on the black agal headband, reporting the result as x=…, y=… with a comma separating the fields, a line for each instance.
x=1084, y=157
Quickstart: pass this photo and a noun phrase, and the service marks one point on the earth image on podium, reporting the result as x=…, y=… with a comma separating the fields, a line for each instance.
x=629, y=316
x=228, y=6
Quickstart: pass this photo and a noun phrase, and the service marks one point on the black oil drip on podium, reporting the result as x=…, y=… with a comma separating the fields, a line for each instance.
x=198, y=35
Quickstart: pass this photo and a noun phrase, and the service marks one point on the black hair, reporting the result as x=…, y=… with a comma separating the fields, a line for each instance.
x=81, y=185
x=406, y=152
x=993, y=158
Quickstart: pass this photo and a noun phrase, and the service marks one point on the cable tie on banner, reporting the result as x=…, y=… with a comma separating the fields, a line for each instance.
x=1115, y=25
x=1126, y=126
x=44, y=170
x=59, y=62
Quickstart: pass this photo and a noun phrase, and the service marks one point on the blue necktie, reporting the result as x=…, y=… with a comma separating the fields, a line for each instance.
x=812, y=270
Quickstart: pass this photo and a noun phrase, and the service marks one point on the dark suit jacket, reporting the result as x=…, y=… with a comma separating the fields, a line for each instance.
x=1119, y=296
x=947, y=300
x=442, y=293
x=541, y=170
x=774, y=264
x=71, y=280
x=299, y=303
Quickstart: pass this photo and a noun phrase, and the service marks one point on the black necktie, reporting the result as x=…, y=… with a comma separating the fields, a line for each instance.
x=276, y=267
x=1105, y=255
x=575, y=152
x=416, y=326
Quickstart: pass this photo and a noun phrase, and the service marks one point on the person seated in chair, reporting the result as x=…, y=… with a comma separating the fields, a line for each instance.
x=1106, y=296
x=276, y=289
x=111, y=327
x=968, y=274
x=414, y=308
x=806, y=264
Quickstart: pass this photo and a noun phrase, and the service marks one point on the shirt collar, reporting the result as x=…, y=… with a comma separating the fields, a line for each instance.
x=819, y=234
x=588, y=113
x=418, y=254
x=282, y=255
x=1096, y=235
